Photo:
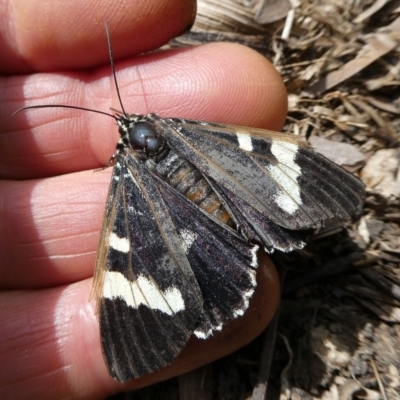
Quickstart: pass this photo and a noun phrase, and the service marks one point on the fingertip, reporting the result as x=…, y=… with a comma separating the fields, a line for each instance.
x=217, y=82
x=254, y=93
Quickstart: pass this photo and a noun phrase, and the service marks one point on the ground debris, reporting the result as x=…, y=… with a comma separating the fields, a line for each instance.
x=382, y=173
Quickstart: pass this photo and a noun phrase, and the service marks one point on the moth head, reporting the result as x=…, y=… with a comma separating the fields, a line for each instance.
x=141, y=136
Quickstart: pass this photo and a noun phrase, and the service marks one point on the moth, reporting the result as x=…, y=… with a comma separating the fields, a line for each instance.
x=188, y=206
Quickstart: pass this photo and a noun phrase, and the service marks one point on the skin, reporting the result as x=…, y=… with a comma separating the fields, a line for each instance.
x=51, y=201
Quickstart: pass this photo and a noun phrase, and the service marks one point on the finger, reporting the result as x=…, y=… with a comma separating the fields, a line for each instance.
x=43, y=36
x=217, y=82
x=50, y=229
x=50, y=344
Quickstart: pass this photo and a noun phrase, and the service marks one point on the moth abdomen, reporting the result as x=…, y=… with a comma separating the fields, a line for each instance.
x=189, y=181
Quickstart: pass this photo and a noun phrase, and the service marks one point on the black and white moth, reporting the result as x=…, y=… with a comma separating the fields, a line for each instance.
x=189, y=204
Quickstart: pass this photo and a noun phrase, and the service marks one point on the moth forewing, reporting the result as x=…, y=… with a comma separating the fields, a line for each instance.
x=232, y=167
x=289, y=172
x=104, y=243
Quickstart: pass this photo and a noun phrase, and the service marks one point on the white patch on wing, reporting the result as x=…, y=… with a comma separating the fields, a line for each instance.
x=142, y=291
x=247, y=294
x=132, y=210
x=116, y=166
x=188, y=238
x=204, y=335
x=119, y=244
x=286, y=174
x=244, y=140
x=130, y=176
x=201, y=334
x=254, y=259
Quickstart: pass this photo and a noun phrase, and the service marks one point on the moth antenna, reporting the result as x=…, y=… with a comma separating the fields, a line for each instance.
x=64, y=106
x=110, y=52
x=84, y=108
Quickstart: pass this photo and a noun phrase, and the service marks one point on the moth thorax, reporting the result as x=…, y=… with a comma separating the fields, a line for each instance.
x=188, y=180
x=143, y=136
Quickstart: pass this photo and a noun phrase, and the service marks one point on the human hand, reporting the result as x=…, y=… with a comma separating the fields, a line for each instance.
x=53, y=202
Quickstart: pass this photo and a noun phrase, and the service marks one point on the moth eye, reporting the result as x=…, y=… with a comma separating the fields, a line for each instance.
x=143, y=136
x=153, y=145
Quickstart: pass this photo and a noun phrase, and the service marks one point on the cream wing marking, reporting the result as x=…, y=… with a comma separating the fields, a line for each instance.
x=244, y=141
x=142, y=291
x=119, y=244
x=286, y=174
